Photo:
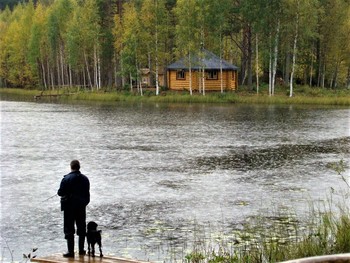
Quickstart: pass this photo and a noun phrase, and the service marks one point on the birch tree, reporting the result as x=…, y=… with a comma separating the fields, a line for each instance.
x=38, y=45
x=153, y=19
x=187, y=32
x=131, y=46
x=4, y=25
x=18, y=71
x=58, y=20
x=334, y=41
x=296, y=34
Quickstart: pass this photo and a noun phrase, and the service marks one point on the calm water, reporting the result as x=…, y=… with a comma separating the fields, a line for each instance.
x=160, y=172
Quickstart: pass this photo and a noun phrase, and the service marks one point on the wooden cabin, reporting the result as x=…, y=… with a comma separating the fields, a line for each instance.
x=178, y=75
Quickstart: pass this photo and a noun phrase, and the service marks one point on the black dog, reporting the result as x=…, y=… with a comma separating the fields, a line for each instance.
x=93, y=236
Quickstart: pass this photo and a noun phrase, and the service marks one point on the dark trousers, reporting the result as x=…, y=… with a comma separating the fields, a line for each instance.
x=71, y=217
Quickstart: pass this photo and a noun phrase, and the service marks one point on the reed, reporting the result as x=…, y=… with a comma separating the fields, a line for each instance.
x=283, y=237
x=325, y=234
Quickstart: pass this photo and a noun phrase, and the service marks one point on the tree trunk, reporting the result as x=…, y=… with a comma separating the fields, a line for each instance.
x=249, y=57
x=84, y=79
x=275, y=53
x=348, y=78
x=203, y=80
x=70, y=76
x=87, y=70
x=43, y=74
x=270, y=68
x=323, y=74
x=287, y=72
x=190, y=72
x=156, y=58
x=59, y=82
x=95, y=68
x=157, y=66
x=257, y=63
x=311, y=69
x=130, y=82
x=294, y=50
x=98, y=70
x=62, y=65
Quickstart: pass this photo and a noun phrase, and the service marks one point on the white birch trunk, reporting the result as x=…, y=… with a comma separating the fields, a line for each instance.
x=203, y=80
x=294, y=51
x=87, y=70
x=122, y=70
x=62, y=65
x=130, y=82
x=190, y=73
x=49, y=77
x=98, y=70
x=58, y=72
x=257, y=63
x=157, y=72
x=221, y=75
x=157, y=77
x=84, y=79
x=115, y=70
x=95, y=68
x=141, y=90
x=275, y=58
x=270, y=71
x=70, y=76
x=311, y=70
x=44, y=74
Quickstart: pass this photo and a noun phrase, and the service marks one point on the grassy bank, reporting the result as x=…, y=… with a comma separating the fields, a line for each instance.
x=282, y=236
x=279, y=238
x=302, y=95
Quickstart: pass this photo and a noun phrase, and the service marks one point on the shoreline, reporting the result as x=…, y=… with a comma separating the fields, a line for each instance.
x=303, y=96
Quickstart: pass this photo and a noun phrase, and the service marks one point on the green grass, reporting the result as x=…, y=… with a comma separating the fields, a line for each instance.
x=284, y=239
x=283, y=236
x=302, y=95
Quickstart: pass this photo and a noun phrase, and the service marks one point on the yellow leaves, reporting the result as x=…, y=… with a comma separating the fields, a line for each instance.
x=117, y=32
x=14, y=45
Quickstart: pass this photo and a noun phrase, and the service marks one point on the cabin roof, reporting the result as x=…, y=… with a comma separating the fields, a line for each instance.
x=209, y=61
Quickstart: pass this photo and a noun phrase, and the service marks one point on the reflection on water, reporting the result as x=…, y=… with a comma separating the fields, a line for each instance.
x=162, y=174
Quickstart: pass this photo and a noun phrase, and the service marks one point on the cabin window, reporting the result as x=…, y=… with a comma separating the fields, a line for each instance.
x=212, y=74
x=180, y=74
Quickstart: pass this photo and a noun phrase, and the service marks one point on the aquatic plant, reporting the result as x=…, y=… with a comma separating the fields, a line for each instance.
x=283, y=236
x=30, y=255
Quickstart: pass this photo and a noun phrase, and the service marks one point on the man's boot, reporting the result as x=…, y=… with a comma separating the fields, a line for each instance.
x=70, y=246
x=82, y=252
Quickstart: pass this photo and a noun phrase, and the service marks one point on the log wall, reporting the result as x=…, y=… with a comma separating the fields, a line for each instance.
x=229, y=81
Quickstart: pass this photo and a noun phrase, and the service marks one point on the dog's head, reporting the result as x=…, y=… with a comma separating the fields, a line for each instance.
x=91, y=226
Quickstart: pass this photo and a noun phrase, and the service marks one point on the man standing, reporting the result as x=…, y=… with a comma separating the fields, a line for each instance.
x=75, y=196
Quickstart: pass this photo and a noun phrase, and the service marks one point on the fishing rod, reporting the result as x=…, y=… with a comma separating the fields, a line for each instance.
x=49, y=198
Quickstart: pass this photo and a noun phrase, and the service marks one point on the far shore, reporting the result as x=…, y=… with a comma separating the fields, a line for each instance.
x=301, y=95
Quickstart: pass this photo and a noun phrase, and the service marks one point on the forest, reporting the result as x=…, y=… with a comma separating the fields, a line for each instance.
x=50, y=44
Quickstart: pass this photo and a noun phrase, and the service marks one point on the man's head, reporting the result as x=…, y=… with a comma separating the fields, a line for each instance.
x=75, y=165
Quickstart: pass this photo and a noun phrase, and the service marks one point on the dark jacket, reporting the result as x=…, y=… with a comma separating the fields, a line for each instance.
x=74, y=190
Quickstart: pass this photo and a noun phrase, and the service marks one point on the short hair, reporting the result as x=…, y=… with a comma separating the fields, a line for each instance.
x=75, y=165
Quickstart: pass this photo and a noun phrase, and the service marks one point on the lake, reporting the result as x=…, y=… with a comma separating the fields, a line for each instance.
x=162, y=173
